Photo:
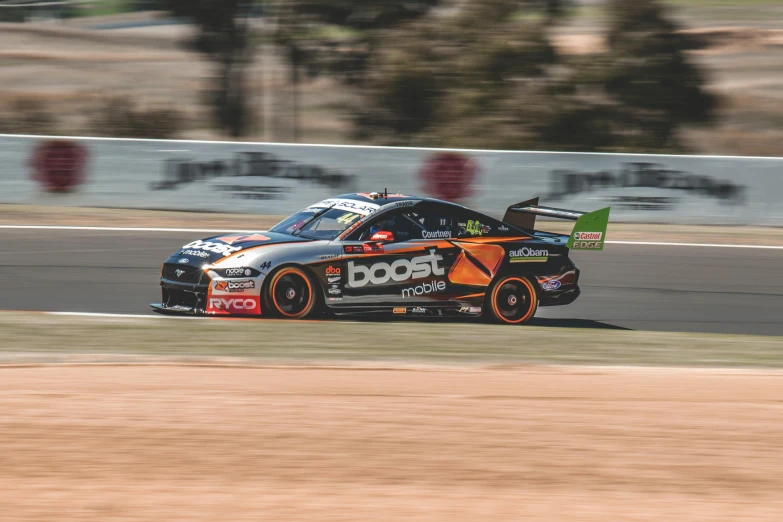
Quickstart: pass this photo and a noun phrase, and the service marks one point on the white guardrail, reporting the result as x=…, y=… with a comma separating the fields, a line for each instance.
x=267, y=178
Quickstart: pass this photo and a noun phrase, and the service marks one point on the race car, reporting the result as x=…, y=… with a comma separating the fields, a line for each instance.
x=385, y=255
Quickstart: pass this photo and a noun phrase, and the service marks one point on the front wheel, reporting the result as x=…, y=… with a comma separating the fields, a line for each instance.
x=513, y=300
x=291, y=293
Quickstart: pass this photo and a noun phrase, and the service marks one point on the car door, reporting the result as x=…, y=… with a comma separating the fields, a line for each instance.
x=409, y=267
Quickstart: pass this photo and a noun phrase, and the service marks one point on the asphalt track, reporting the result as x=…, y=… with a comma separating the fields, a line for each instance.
x=639, y=287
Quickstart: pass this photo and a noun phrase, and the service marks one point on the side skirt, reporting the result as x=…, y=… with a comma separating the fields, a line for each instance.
x=405, y=311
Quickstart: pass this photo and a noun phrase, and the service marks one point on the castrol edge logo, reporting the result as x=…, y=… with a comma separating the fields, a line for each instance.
x=399, y=270
x=588, y=236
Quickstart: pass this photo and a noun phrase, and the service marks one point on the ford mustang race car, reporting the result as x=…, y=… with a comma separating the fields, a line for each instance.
x=385, y=254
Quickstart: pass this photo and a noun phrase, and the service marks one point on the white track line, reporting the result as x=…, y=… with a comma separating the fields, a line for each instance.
x=121, y=229
x=123, y=316
x=94, y=314
x=711, y=245
x=227, y=231
x=157, y=316
x=377, y=147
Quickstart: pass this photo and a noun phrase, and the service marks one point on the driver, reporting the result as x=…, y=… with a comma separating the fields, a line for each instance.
x=389, y=224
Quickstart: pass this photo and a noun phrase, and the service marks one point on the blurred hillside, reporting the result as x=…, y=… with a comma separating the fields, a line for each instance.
x=109, y=68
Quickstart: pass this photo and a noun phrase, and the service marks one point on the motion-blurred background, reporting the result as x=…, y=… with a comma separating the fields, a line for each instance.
x=693, y=76
x=418, y=421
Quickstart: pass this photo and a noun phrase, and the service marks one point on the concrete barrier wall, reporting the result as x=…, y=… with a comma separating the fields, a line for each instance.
x=280, y=179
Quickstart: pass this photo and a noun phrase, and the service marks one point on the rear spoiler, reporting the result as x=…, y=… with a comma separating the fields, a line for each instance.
x=589, y=232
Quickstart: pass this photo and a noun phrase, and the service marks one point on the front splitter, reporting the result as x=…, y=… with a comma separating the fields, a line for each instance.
x=175, y=310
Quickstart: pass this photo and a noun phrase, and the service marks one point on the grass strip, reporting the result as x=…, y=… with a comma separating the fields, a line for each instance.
x=49, y=338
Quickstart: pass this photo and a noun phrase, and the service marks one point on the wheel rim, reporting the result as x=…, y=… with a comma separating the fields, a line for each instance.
x=514, y=300
x=292, y=293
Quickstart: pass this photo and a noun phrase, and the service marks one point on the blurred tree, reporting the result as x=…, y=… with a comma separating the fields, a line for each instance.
x=223, y=34
x=555, y=9
x=149, y=5
x=122, y=116
x=362, y=14
x=486, y=75
x=27, y=116
x=647, y=72
x=336, y=36
x=481, y=75
x=14, y=14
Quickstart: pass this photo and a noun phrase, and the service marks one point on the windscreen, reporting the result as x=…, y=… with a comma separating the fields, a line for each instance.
x=310, y=224
x=326, y=219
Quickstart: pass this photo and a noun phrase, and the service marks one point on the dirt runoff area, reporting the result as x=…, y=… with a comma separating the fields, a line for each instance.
x=533, y=443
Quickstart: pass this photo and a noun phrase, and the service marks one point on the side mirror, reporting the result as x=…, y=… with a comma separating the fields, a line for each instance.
x=382, y=236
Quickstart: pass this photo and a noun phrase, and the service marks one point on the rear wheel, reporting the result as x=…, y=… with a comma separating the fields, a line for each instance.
x=291, y=293
x=513, y=300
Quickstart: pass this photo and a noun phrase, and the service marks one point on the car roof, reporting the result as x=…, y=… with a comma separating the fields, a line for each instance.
x=384, y=198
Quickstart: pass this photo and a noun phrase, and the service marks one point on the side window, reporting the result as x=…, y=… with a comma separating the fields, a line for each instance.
x=393, y=222
x=429, y=223
x=407, y=224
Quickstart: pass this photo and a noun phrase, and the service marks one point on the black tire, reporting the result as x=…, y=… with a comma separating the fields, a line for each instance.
x=291, y=293
x=512, y=300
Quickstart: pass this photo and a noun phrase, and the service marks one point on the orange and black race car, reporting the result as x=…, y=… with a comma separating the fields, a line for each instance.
x=385, y=254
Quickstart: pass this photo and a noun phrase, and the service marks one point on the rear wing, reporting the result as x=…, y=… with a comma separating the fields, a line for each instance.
x=589, y=232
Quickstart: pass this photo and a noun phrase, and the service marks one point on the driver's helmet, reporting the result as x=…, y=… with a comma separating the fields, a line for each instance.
x=386, y=224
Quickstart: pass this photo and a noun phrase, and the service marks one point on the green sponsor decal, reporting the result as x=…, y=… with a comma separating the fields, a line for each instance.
x=476, y=228
x=528, y=259
x=589, y=232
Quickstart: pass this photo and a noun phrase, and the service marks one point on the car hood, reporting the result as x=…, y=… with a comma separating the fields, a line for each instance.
x=213, y=249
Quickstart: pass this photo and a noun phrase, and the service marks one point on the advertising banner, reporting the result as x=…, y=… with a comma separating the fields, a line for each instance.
x=278, y=179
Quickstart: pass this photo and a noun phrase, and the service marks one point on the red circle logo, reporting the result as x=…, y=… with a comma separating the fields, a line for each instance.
x=58, y=165
x=449, y=176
